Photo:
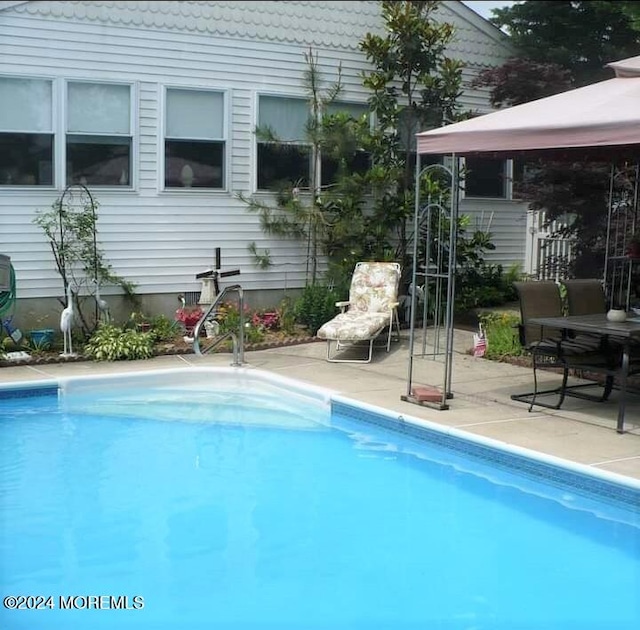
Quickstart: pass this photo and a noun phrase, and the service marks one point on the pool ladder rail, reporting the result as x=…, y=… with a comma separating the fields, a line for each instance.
x=236, y=339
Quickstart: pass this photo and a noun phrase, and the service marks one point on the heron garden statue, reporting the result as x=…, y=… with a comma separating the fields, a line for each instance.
x=66, y=323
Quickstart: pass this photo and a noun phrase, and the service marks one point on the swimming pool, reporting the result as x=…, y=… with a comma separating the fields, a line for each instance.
x=233, y=498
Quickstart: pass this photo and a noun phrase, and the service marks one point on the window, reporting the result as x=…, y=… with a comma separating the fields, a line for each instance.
x=26, y=132
x=194, y=144
x=525, y=174
x=357, y=162
x=485, y=177
x=287, y=158
x=98, y=141
x=284, y=150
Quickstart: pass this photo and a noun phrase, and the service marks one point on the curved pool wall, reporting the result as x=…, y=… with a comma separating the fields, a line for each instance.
x=509, y=464
x=600, y=485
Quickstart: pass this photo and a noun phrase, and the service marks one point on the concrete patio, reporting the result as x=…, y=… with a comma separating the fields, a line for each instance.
x=581, y=431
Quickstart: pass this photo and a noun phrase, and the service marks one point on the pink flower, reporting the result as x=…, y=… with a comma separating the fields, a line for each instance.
x=189, y=317
x=269, y=320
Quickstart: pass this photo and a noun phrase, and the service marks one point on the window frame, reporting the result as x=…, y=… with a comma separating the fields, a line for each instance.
x=370, y=114
x=55, y=164
x=133, y=134
x=225, y=140
x=257, y=142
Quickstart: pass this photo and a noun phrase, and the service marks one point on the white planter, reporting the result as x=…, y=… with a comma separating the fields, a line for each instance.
x=617, y=315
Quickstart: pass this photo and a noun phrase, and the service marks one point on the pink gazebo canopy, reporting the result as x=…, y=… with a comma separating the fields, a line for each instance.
x=604, y=114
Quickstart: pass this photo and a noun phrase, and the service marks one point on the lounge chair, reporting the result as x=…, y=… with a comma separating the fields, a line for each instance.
x=372, y=307
x=554, y=349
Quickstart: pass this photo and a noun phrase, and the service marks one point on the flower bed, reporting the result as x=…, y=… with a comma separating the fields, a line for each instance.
x=143, y=336
x=176, y=346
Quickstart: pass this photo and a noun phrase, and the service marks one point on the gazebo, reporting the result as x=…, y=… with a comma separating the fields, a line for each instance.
x=600, y=121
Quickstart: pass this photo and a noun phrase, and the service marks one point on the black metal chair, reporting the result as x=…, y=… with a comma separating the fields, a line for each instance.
x=587, y=296
x=557, y=349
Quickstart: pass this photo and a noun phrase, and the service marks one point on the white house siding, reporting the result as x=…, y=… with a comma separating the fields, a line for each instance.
x=507, y=223
x=160, y=240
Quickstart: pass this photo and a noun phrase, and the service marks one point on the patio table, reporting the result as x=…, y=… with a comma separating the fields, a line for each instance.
x=598, y=324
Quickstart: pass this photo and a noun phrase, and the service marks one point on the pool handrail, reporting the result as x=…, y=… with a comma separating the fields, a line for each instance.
x=237, y=340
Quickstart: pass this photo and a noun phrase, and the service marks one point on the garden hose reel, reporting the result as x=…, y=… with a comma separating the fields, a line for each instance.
x=8, y=297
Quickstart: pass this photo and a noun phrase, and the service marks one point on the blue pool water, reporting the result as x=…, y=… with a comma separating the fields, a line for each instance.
x=249, y=505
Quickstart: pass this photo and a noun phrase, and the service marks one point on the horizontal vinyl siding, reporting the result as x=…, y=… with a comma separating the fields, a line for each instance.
x=241, y=153
x=508, y=228
x=160, y=240
x=149, y=128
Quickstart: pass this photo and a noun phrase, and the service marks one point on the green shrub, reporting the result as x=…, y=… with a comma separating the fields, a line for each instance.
x=228, y=316
x=501, y=330
x=163, y=328
x=486, y=285
x=287, y=316
x=5, y=342
x=315, y=306
x=113, y=343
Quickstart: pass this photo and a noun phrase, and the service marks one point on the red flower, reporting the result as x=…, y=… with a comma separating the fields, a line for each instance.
x=269, y=320
x=189, y=317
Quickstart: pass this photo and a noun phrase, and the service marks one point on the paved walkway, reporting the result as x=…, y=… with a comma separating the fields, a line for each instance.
x=581, y=431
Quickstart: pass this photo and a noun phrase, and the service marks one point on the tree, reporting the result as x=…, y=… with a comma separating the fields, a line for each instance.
x=632, y=9
x=520, y=80
x=563, y=45
x=577, y=35
x=560, y=45
x=296, y=215
x=415, y=86
x=70, y=226
x=579, y=189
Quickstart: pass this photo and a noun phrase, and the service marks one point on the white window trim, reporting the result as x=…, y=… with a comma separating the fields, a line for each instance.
x=162, y=113
x=17, y=188
x=61, y=135
x=254, y=137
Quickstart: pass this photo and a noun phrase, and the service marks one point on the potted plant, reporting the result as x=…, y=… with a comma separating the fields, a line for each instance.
x=40, y=337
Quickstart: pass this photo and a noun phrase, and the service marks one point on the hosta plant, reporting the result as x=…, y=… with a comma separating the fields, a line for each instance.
x=112, y=343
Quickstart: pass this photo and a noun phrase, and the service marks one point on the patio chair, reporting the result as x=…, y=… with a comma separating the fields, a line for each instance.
x=372, y=307
x=585, y=297
x=558, y=350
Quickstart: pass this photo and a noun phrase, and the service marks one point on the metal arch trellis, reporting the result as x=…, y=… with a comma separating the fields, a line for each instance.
x=69, y=192
x=623, y=225
x=438, y=213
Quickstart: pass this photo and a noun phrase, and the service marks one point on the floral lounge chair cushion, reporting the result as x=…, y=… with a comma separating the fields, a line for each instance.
x=374, y=287
x=372, y=299
x=354, y=326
